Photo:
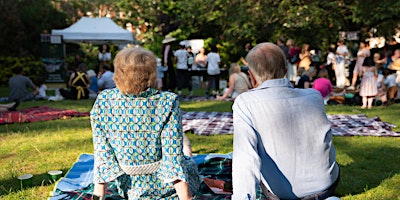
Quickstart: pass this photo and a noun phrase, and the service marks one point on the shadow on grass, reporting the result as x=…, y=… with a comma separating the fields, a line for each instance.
x=368, y=163
x=14, y=184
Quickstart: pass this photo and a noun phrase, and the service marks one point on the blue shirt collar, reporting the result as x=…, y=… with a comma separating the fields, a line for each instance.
x=282, y=82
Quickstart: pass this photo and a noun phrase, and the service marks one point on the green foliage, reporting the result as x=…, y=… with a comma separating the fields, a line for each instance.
x=33, y=68
x=23, y=22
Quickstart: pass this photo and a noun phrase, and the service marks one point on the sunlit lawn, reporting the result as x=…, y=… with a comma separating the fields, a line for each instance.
x=370, y=166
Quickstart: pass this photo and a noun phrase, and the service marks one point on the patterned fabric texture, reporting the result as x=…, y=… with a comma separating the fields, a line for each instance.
x=209, y=123
x=140, y=129
x=75, y=186
x=36, y=114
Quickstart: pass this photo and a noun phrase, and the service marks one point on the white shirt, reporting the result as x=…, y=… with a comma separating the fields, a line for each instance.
x=42, y=91
x=182, y=56
x=105, y=56
x=213, y=59
x=330, y=58
x=342, y=50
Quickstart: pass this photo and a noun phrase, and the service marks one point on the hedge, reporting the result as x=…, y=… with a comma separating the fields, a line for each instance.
x=33, y=67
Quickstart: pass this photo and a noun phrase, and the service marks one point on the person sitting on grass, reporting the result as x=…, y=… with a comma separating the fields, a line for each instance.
x=18, y=86
x=323, y=85
x=390, y=86
x=282, y=139
x=238, y=83
x=79, y=83
x=105, y=78
x=137, y=135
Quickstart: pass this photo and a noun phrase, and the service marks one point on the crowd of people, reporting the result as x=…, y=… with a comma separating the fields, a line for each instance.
x=133, y=101
x=361, y=74
x=305, y=69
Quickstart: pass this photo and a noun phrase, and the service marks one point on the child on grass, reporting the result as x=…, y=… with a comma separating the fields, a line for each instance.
x=41, y=89
x=369, y=88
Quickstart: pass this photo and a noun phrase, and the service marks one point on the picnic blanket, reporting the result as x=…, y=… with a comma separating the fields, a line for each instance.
x=37, y=113
x=77, y=182
x=208, y=123
x=202, y=98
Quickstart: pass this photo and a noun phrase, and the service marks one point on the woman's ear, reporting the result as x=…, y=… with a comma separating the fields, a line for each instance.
x=253, y=79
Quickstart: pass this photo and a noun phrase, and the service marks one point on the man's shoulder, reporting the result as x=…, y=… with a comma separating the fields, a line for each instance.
x=255, y=95
x=19, y=78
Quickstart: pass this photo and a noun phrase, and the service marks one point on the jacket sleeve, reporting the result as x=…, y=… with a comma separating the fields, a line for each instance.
x=246, y=161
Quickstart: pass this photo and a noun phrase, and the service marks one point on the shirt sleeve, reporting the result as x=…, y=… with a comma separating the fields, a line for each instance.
x=106, y=167
x=29, y=83
x=246, y=161
x=172, y=145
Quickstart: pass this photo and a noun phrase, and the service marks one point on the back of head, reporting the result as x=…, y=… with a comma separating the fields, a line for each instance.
x=214, y=48
x=105, y=68
x=235, y=68
x=323, y=73
x=18, y=70
x=135, y=70
x=266, y=61
x=386, y=72
x=368, y=62
x=82, y=67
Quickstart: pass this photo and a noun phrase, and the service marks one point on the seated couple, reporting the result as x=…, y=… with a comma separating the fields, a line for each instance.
x=138, y=139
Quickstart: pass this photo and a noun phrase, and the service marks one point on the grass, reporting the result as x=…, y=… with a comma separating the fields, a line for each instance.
x=369, y=165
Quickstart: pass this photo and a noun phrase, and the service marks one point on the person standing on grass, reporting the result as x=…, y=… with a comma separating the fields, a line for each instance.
x=282, y=136
x=182, y=74
x=362, y=53
x=368, y=88
x=213, y=71
x=137, y=135
x=341, y=55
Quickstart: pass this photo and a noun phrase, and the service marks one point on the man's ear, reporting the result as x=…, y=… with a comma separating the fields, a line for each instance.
x=253, y=79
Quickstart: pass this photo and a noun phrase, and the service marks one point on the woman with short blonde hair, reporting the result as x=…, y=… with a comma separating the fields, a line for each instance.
x=238, y=83
x=137, y=135
x=135, y=70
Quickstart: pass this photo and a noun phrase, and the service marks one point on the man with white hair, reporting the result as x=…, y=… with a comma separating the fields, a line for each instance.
x=282, y=136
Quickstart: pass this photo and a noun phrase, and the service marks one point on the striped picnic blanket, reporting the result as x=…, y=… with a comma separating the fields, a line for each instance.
x=209, y=123
x=36, y=114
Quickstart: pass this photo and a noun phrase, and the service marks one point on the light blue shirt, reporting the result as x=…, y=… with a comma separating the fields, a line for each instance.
x=106, y=80
x=282, y=139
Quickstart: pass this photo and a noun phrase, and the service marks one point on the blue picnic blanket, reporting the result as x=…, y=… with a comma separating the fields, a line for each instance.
x=77, y=183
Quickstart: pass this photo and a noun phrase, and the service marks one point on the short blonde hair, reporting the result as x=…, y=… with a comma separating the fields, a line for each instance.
x=135, y=70
x=235, y=68
x=266, y=61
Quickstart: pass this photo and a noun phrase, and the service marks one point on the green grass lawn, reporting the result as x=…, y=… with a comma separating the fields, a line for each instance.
x=370, y=166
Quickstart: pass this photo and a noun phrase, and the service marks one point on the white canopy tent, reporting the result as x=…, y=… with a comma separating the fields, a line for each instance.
x=95, y=31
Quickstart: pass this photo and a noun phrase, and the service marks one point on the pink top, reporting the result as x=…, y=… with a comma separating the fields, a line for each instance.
x=323, y=85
